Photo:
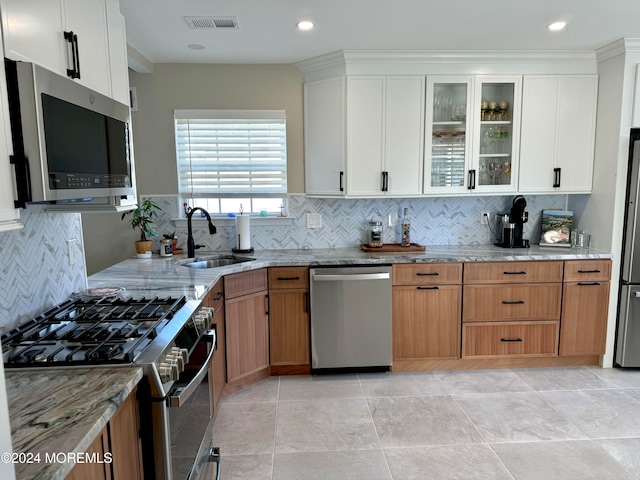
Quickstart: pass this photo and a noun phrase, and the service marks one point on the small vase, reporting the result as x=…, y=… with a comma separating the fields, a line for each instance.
x=143, y=249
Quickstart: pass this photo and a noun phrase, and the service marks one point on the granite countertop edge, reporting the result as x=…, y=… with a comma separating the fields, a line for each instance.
x=60, y=411
x=167, y=276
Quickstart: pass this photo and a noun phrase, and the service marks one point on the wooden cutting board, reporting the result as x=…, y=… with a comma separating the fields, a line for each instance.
x=394, y=247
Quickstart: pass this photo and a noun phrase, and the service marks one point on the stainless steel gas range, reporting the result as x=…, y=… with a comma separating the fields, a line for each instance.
x=171, y=338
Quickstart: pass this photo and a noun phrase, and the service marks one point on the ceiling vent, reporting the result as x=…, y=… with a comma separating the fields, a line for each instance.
x=209, y=23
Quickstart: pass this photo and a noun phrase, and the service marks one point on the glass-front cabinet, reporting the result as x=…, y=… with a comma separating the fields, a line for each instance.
x=496, y=116
x=471, y=134
x=447, y=136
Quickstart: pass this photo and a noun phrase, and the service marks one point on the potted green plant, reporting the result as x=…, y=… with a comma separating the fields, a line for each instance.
x=142, y=218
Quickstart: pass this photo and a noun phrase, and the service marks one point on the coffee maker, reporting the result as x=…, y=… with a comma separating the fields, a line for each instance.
x=509, y=225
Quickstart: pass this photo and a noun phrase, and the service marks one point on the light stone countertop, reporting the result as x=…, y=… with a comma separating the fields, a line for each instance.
x=61, y=411
x=164, y=276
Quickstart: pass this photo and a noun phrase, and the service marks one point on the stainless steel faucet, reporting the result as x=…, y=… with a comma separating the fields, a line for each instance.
x=191, y=246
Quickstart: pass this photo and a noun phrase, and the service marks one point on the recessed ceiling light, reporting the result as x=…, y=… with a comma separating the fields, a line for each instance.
x=305, y=25
x=196, y=46
x=557, y=26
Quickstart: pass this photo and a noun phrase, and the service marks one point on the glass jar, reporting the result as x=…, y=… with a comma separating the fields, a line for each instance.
x=375, y=233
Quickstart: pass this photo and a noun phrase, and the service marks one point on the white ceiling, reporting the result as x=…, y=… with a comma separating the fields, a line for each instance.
x=268, y=32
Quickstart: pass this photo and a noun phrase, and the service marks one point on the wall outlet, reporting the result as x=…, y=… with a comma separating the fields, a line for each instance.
x=485, y=218
x=314, y=220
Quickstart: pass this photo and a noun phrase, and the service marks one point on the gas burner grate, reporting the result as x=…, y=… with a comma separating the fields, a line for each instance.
x=81, y=331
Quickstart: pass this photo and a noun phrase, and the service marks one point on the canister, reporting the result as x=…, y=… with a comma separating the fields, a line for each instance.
x=375, y=233
x=166, y=247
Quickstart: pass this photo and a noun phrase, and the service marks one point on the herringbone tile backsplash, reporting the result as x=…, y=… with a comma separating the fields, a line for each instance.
x=35, y=273
x=434, y=221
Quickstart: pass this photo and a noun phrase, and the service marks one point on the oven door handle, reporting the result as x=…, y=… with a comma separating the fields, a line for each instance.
x=180, y=395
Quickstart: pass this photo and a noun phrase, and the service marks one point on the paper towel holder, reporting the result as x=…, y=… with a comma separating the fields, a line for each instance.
x=240, y=250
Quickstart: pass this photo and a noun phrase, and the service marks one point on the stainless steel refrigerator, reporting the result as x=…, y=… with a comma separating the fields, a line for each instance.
x=627, y=353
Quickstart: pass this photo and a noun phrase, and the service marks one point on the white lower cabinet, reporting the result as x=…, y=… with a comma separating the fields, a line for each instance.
x=558, y=133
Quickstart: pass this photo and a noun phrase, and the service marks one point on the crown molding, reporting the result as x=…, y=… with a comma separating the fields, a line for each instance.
x=619, y=47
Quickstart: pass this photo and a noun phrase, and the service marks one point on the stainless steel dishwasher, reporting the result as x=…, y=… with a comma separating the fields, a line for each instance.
x=350, y=318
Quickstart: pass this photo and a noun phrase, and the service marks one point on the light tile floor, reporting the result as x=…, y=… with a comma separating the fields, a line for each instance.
x=553, y=423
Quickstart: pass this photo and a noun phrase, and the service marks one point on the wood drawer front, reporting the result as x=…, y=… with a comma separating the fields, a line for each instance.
x=514, y=339
x=490, y=303
x=427, y=274
x=587, y=270
x=245, y=283
x=289, y=277
x=513, y=272
x=215, y=297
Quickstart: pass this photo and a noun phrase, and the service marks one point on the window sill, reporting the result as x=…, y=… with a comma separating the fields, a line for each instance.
x=230, y=221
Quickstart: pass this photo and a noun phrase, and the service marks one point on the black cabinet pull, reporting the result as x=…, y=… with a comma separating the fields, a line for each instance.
x=472, y=180
x=218, y=296
x=266, y=303
x=427, y=288
x=588, y=271
x=511, y=340
x=517, y=302
x=515, y=273
x=385, y=181
x=430, y=274
x=341, y=178
x=288, y=278
x=72, y=38
x=556, y=177
x=588, y=284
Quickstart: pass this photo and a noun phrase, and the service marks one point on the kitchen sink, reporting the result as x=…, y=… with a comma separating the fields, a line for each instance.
x=213, y=261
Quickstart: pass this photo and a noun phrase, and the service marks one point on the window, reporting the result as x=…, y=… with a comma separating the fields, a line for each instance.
x=228, y=158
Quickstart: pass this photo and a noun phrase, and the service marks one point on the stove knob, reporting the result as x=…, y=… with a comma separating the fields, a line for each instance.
x=166, y=373
x=201, y=322
x=175, y=360
x=181, y=352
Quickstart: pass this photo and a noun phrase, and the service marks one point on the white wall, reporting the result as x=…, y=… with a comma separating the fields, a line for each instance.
x=603, y=211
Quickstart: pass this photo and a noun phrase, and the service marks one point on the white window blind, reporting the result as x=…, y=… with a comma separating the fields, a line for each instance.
x=231, y=152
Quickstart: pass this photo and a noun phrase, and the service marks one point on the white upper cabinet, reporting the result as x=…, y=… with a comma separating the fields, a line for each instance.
x=558, y=133
x=9, y=215
x=69, y=37
x=472, y=134
x=384, y=135
x=448, y=133
x=118, y=67
x=496, y=138
x=324, y=134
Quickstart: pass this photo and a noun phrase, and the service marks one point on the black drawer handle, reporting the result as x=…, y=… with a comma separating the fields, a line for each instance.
x=515, y=273
x=511, y=340
x=218, y=296
x=588, y=271
x=581, y=284
x=433, y=274
x=288, y=278
x=517, y=302
x=427, y=288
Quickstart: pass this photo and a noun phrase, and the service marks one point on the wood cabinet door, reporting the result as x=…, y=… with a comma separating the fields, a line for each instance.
x=96, y=470
x=289, y=327
x=246, y=335
x=426, y=322
x=219, y=357
x=510, y=339
x=583, y=325
x=126, y=446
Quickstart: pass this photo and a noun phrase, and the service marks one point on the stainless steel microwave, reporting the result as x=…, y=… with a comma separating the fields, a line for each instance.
x=71, y=144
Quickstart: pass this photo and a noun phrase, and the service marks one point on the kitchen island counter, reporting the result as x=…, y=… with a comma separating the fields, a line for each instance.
x=165, y=276
x=56, y=413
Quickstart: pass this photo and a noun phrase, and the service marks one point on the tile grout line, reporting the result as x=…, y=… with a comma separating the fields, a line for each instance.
x=366, y=400
x=481, y=435
x=275, y=430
